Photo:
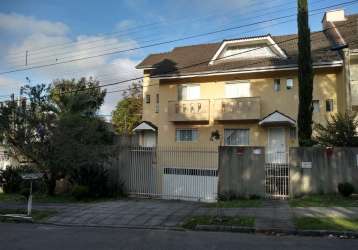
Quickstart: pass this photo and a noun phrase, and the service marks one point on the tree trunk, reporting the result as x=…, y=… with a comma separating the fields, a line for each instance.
x=305, y=76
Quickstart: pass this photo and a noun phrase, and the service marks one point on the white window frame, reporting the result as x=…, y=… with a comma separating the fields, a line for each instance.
x=239, y=129
x=194, y=137
x=277, y=84
x=289, y=83
x=182, y=97
x=230, y=92
x=316, y=108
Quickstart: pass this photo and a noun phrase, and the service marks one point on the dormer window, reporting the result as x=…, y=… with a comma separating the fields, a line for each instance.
x=247, y=52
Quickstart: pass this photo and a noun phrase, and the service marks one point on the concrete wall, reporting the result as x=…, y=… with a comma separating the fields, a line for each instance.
x=329, y=167
x=242, y=170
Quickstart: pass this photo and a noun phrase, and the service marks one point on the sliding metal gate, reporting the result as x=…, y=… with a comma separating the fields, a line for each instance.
x=277, y=176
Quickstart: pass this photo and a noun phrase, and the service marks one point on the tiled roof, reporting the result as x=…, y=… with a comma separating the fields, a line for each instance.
x=195, y=58
x=349, y=31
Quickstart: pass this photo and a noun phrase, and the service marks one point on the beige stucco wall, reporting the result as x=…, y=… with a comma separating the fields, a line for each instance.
x=327, y=85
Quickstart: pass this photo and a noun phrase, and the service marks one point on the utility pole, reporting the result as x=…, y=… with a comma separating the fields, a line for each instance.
x=26, y=57
x=305, y=76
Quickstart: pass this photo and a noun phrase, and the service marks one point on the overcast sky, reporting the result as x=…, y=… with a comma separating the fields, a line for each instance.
x=57, y=31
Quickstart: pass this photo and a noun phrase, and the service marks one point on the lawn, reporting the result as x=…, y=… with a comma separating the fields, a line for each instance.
x=37, y=215
x=43, y=198
x=325, y=201
x=37, y=198
x=237, y=203
x=326, y=223
x=225, y=220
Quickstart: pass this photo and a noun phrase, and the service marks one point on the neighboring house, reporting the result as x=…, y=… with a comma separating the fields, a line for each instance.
x=246, y=89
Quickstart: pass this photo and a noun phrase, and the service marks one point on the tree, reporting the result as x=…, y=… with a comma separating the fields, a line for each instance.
x=128, y=111
x=81, y=139
x=340, y=131
x=57, y=127
x=26, y=125
x=82, y=96
x=305, y=76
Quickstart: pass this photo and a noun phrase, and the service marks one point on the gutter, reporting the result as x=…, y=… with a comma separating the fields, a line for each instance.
x=333, y=64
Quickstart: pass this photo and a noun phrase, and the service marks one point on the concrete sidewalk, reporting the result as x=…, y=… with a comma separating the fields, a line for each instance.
x=147, y=213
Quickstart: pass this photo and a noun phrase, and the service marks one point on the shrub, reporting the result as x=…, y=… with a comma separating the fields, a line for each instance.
x=345, y=189
x=81, y=192
x=95, y=177
x=13, y=183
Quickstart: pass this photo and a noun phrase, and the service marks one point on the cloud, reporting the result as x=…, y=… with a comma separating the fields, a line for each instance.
x=49, y=42
x=20, y=24
x=125, y=24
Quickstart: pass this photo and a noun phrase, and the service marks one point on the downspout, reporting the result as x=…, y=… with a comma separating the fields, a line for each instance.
x=347, y=78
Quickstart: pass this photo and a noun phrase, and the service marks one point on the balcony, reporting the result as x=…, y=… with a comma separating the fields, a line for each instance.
x=236, y=109
x=184, y=111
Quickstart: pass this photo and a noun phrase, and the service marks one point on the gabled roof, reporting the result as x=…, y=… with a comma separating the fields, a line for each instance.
x=194, y=59
x=246, y=41
x=145, y=125
x=278, y=118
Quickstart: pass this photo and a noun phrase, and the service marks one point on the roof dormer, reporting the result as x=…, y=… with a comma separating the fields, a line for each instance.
x=248, y=48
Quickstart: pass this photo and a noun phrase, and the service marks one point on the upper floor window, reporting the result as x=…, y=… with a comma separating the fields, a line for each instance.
x=289, y=83
x=315, y=105
x=236, y=137
x=277, y=85
x=147, y=99
x=329, y=105
x=157, y=104
x=188, y=92
x=185, y=134
x=237, y=89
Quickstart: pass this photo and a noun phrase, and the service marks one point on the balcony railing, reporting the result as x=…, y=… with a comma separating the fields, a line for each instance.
x=195, y=110
x=235, y=109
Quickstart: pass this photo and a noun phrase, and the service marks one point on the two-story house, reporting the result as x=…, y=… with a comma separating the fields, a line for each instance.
x=246, y=90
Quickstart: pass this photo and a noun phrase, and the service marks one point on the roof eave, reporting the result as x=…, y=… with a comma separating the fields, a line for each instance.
x=332, y=64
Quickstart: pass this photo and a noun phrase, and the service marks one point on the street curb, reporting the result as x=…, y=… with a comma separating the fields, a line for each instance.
x=317, y=233
x=113, y=226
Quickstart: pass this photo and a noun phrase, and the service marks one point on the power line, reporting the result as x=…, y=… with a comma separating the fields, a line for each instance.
x=116, y=42
x=196, y=64
x=169, y=41
x=150, y=24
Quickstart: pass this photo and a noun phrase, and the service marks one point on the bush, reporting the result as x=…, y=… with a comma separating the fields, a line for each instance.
x=94, y=177
x=13, y=183
x=81, y=192
x=345, y=189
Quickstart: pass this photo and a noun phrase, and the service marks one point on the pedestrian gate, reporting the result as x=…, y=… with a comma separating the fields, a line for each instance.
x=277, y=176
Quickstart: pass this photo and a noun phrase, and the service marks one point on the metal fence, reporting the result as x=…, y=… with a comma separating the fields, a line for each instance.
x=185, y=173
x=277, y=175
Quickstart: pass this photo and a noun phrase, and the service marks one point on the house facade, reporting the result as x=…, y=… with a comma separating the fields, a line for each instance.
x=245, y=91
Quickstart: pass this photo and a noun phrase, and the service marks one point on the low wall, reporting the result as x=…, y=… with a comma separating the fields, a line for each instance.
x=316, y=170
x=242, y=170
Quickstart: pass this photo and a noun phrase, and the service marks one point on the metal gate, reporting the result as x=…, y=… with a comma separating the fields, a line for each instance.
x=173, y=173
x=277, y=176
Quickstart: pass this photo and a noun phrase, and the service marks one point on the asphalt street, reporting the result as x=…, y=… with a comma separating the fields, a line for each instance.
x=45, y=237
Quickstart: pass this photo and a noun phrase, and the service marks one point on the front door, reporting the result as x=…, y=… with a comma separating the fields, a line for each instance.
x=276, y=150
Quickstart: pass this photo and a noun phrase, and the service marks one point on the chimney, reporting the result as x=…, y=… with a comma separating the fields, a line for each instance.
x=333, y=16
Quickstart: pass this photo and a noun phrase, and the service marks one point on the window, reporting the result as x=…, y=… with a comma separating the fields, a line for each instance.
x=186, y=134
x=329, y=105
x=292, y=132
x=189, y=92
x=236, y=137
x=315, y=105
x=147, y=99
x=289, y=84
x=277, y=85
x=237, y=89
x=157, y=104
